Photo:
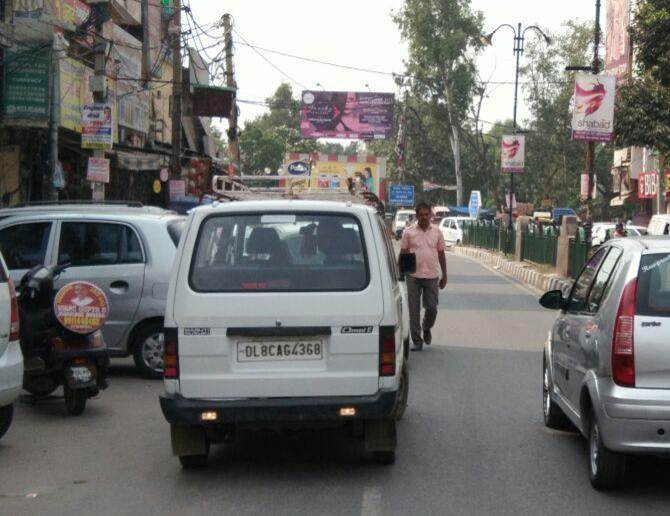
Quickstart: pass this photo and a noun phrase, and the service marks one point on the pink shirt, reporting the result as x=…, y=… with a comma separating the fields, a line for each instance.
x=426, y=245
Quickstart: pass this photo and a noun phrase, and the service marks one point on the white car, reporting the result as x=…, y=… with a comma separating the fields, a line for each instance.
x=11, y=359
x=284, y=313
x=659, y=225
x=400, y=221
x=452, y=229
x=600, y=229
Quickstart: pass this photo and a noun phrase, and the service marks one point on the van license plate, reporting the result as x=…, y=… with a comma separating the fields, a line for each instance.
x=279, y=351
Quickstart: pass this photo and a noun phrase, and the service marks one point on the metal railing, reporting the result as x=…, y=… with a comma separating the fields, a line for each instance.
x=540, y=245
x=487, y=235
x=579, y=252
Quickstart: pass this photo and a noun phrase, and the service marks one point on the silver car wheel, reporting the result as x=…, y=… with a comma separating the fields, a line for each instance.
x=152, y=351
x=593, y=449
x=547, y=394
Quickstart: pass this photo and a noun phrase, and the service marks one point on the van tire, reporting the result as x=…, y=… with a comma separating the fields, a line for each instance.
x=6, y=416
x=384, y=457
x=145, y=335
x=607, y=469
x=402, y=394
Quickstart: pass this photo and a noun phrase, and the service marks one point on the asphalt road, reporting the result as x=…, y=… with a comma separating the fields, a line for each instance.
x=472, y=441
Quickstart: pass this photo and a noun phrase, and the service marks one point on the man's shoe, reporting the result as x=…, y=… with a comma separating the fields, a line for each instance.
x=427, y=337
x=417, y=347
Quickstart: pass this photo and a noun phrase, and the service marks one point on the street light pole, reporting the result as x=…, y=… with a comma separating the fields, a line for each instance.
x=519, y=41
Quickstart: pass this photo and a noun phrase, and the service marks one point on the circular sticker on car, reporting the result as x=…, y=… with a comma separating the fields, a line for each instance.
x=81, y=307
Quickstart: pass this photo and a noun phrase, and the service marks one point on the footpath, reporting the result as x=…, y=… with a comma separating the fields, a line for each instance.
x=523, y=272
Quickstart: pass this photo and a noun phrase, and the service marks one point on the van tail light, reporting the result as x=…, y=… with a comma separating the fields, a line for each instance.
x=14, y=324
x=171, y=354
x=387, y=351
x=623, y=345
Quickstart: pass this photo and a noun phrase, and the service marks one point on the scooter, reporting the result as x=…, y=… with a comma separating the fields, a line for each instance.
x=54, y=355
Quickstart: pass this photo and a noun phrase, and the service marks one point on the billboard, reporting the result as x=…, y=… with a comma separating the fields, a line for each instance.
x=617, y=39
x=352, y=115
x=97, y=126
x=593, y=112
x=513, y=153
x=647, y=185
x=26, y=85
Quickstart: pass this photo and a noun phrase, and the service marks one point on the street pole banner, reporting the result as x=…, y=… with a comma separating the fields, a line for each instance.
x=584, y=190
x=430, y=187
x=513, y=152
x=593, y=114
x=97, y=127
x=98, y=170
x=647, y=185
x=617, y=39
x=351, y=115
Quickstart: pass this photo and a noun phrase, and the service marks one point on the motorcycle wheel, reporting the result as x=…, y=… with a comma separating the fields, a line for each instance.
x=75, y=400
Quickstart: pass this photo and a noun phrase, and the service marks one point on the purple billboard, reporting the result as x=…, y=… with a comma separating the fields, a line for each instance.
x=357, y=116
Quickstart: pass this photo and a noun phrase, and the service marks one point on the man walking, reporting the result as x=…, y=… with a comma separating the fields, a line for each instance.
x=427, y=243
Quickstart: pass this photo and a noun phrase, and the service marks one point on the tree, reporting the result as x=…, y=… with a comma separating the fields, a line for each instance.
x=442, y=36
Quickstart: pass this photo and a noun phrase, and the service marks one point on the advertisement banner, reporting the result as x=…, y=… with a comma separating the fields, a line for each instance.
x=81, y=307
x=177, y=189
x=98, y=170
x=352, y=115
x=97, y=125
x=593, y=114
x=647, y=185
x=132, y=103
x=584, y=189
x=617, y=39
x=364, y=172
x=26, y=85
x=513, y=152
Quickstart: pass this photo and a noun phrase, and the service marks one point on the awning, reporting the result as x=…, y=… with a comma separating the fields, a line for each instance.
x=140, y=161
x=212, y=100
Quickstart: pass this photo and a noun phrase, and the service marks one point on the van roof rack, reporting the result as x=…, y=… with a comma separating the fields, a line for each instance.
x=37, y=204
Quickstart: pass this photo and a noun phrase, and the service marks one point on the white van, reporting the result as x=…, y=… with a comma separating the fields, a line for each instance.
x=284, y=313
x=659, y=225
x=11, y=359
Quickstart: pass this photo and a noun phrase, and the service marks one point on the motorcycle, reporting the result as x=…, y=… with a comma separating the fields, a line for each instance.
x=54, y=355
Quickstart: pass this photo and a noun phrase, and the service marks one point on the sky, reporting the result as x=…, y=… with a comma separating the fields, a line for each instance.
x=357, y=33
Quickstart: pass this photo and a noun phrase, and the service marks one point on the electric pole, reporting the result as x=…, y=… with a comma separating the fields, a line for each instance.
x=233, y=142
x=100, y=88
x=177, y=79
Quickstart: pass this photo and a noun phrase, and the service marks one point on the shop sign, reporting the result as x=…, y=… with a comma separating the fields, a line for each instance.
x=647, y=185
x=26, y=85
x=81, y=307
x=97, y=125
x=177, y=188
x=98, y=170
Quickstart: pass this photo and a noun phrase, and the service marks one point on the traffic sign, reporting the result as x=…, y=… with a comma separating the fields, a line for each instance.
x=475, y=204
x=401, y=195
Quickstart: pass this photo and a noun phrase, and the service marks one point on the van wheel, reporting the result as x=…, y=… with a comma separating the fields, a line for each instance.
x=6, y=416
x=384, y=457
x=148, y=346
x=607, y=469
x=403, y=393
x=195, y=461
x=553, y=415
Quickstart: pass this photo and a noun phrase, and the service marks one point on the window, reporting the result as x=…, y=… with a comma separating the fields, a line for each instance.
x=653, y=285
x=25, y=246
x=87, y=244
x=387, y=248
x=582, y=286
x=602, y=281
x=279, y=252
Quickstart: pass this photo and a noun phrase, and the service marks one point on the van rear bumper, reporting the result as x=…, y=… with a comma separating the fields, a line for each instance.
x=185, y=411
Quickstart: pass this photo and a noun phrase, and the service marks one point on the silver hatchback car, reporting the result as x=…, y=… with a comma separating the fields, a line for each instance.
x=607, y=358
x=127, y=252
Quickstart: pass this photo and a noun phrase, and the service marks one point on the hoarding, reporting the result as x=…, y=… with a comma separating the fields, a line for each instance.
x=97, y=125
x=352, y=115
x=513, y=153
x=647, y=185
x=26, y=85
x=617, y=39
x=593, y=113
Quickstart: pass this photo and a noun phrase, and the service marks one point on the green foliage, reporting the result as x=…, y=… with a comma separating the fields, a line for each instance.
x=650, y=33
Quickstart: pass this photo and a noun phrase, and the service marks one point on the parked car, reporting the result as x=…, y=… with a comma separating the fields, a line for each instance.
x=284, y=313
x=603, y=231
x=607, y=361
x=439, y=213
x=659, y=225
x=452, y=229
x=402, y=218
x=129, y=255
x=11, y=359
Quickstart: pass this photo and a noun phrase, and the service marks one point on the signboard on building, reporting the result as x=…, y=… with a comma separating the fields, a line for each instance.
x=647, y=185
x=401, y=195
x=97, y=125
x=177, y=189
x=352, y=115
x=513, y=152
x=593, y=114
x=132, y=103
x=365, y=172
x=26, y=85
x=617, y=39
x=98, y=170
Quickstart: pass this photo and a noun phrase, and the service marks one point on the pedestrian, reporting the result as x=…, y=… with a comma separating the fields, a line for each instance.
x=619, y=231
x=427, y=243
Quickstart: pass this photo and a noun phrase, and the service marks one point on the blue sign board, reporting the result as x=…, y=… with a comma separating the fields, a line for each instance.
x=298, y=168
x=475, y=204
x=401, y=195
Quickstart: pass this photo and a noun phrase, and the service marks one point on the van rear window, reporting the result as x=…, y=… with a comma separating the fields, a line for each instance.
x=653, y=286
x=279, y=252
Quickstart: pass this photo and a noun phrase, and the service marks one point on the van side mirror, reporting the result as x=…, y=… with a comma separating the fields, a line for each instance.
x=407, y=263
x=553, y=300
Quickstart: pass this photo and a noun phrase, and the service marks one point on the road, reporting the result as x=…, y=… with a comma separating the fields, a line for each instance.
x=472, y=441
